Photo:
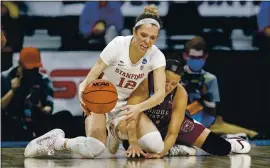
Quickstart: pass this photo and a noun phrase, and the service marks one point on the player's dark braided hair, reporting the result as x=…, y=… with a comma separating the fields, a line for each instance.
x=174, y=66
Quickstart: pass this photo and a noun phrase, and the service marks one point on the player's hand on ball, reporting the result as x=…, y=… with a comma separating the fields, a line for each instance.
x=85, y=110
x=132, y=112
x=80, y=96
x=134, y=150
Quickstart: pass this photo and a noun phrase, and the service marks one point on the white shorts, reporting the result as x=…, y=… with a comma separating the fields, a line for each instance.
x=116, y=110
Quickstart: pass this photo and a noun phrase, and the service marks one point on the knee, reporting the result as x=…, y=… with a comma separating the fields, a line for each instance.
x=152, y=142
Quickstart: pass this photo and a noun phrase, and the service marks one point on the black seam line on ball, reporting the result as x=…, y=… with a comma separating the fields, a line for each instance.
x=101, y=103
x=98, y=91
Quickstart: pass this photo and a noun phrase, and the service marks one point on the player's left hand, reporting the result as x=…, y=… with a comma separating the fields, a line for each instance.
x=134, y=150
x=154, y=156
x=132, y=112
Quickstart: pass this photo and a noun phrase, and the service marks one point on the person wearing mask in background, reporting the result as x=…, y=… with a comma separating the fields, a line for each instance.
x=203, y=92
x=26, y=98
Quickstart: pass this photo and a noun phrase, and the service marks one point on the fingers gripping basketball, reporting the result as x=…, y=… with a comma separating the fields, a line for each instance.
x=100, y=96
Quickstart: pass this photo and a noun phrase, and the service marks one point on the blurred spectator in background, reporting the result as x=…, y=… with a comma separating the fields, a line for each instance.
x=26, y=98
x=263, y=18
x=3, y=39
x=10, y=24
x=203, y=91
x=101, y=21
x=263, y=21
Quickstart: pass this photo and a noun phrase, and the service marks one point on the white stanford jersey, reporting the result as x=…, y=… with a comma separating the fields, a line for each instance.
x=121, y=72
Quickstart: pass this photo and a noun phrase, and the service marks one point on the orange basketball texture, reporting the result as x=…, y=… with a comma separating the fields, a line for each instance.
x=100, y=96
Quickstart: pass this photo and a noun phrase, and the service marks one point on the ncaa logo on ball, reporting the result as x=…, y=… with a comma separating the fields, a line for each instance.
x=100, y=84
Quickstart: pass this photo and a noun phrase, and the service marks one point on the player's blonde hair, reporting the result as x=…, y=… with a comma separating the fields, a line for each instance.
x=150, y=11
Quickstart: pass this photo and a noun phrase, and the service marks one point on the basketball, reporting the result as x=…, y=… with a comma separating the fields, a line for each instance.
x=100, y=96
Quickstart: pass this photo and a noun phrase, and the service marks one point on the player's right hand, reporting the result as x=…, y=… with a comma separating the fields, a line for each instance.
x=133, y=150
x=82, y=104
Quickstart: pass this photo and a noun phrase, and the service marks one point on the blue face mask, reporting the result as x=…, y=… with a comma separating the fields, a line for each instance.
x=195, y=64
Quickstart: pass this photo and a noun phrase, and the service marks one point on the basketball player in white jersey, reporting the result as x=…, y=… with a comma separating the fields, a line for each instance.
x=126, y=62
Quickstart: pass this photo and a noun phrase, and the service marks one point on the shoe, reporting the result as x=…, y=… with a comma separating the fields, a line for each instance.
x=178, y=150
x=239, y=135
x=44, y=144
x=239, y=145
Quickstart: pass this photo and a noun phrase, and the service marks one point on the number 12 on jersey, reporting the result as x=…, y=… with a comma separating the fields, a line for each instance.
x=128, y=84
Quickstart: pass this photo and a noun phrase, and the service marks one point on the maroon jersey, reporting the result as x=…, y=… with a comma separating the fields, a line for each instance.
x=161, y=114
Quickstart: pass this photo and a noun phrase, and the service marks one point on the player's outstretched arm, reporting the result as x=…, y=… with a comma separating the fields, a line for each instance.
x=159, y=85
x=139, y=95
x=95, y=72
x=157, y=98
x=178, y=114
x=107, y=57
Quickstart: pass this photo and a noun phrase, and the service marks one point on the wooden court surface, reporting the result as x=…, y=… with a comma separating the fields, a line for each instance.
x=258, y=157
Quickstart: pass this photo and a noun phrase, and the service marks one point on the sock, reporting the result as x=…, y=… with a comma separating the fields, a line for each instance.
x=216, y=145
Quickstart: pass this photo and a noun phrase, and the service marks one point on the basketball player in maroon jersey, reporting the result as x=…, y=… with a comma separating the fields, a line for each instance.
x=177, y=128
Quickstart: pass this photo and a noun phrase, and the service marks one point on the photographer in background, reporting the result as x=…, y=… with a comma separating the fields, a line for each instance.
x=26, y=98
x=201, y=86
x=203, y=91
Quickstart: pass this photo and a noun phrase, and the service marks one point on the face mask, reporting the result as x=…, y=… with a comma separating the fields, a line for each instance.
x=195, y=64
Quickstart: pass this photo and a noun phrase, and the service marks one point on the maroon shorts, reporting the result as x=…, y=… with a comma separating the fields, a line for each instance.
x=189, y=131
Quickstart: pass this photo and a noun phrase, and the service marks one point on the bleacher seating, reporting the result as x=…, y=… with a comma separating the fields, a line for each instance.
x=181, y=22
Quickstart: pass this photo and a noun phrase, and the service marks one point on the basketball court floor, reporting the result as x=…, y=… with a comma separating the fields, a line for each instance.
x=258, y=157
